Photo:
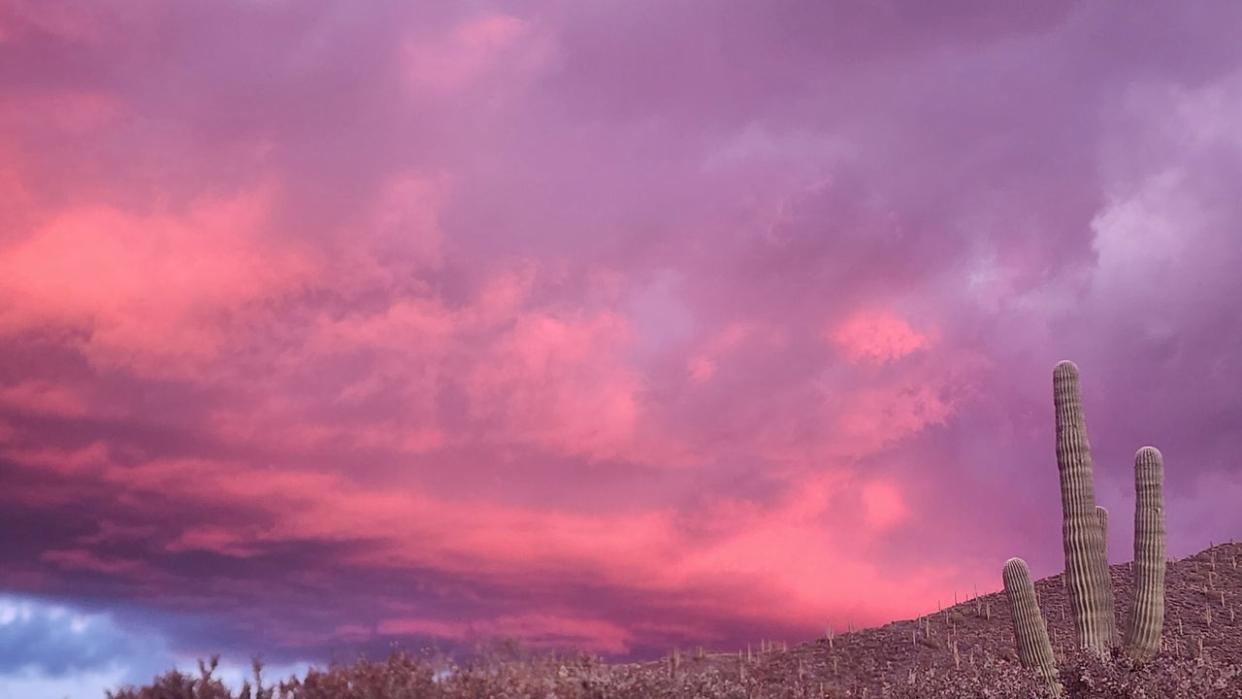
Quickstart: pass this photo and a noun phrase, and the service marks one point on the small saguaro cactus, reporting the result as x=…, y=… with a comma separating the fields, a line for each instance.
x=1029, y=630
x=1147, y=615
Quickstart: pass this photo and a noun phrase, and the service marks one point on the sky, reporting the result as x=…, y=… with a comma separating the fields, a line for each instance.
x=328, y=328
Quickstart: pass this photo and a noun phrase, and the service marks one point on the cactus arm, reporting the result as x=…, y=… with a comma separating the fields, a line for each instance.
x=1101, y=516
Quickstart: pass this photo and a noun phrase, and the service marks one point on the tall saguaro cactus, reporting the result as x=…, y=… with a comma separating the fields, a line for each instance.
x=1086, y=569
x=1147, y=615
x=1029, y=630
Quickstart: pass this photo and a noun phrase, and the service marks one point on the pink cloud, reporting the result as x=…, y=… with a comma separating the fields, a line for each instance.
x=66, y=21
x=701, y=369
x=567, y=322
x=872, y=418
x=44, y=397
x=87, y=460
x=535, y=630
x=772, y=544
x=79, y=559
x=71, y=113
x=643, y=551
x=703, y=364
x=476, y=48
x=543, y=377
x=884, y=504
x=149, y=289
x=877, y=337
x=217, y=539
x=559, y=381
x=544, y=630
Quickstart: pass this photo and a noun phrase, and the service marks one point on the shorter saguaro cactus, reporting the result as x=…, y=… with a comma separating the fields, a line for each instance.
x=1029, y=629
x=1147, y=615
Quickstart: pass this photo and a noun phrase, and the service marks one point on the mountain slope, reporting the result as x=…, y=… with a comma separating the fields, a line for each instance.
x=963, y=652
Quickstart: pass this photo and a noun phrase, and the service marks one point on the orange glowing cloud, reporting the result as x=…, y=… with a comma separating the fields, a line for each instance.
x=702, y=366
x=760, y=551
x=44, y=397
x=772, y=544
x=558, y=381
x=153, y=289
x=550, y=378
x=843, y=418
x=877, y=337
x=884, y=506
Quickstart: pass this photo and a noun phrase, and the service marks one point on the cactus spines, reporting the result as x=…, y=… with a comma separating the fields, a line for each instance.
x=1029, y=630
x=1101, y=513
x=1086, y=570
x=1147, y=615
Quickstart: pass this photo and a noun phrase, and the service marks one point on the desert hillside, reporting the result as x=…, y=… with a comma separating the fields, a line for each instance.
x=966, y=650
x=1203, y=619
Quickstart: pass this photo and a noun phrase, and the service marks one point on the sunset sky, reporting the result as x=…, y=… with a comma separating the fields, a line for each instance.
x=610, y=325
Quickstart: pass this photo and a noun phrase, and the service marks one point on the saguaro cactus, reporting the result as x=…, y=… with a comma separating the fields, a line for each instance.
x=1147, y=615
x=1086, y=570
x=1084, y=533
x=1029, y=630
